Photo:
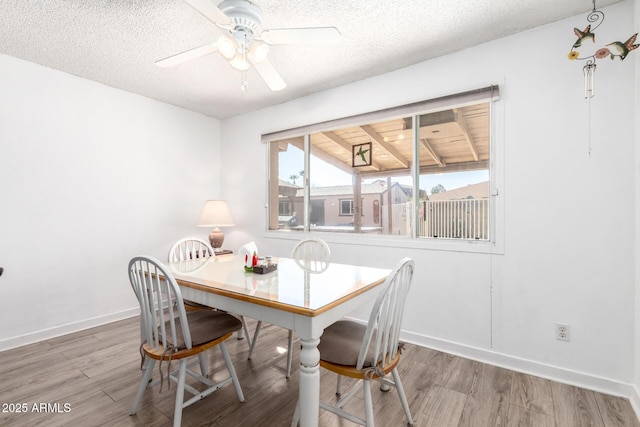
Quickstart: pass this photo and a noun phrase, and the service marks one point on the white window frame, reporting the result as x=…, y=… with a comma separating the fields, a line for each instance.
x=495, y=245
x=342, y=213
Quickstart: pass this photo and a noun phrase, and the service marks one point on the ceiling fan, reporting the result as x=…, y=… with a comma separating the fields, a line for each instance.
x=245, y=42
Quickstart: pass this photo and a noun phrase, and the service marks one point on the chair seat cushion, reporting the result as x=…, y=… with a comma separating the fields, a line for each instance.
x=205, y=326
x=340, y=344
x=192, y=305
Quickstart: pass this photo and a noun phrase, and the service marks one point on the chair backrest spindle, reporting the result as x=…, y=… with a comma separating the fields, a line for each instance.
x=189, y=249
x=385, y=321
x=161, y=304
x=312, y=254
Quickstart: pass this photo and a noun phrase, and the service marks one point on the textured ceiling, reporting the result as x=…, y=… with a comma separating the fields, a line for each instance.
x=116, y=42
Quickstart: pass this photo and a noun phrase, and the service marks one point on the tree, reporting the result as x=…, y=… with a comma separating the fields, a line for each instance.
x=293, y=178
x=435, y=190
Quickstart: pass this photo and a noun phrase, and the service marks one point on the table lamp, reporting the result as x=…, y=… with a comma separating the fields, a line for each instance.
x=216, y=213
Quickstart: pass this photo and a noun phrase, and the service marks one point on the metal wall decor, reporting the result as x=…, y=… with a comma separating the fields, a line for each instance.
x=361, y=155
x=613, y=50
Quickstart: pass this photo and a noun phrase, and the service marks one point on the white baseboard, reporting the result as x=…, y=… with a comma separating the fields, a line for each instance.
x=68, y=328
x=563, y=375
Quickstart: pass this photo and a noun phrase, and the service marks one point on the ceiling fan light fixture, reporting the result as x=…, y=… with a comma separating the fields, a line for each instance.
x=244, y=43
x=239, y=62
x=226, y=47
x=259, y=51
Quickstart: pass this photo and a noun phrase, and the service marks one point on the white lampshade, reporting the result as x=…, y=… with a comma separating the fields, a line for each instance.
x=215, y=213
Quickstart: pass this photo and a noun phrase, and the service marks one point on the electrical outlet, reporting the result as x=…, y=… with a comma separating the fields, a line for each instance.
x=562, y=332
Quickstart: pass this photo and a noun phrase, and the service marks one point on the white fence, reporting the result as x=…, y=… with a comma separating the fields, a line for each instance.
x=455, y=219
x=449, y=219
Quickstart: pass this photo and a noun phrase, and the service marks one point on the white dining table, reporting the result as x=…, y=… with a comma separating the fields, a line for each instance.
x=289, y=297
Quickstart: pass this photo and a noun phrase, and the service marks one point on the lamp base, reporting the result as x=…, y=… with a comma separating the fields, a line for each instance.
x=216, y=237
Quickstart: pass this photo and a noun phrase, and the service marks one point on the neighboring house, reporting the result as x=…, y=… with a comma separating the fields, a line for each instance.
x=472, y=191
x=286, y=201
x=458, y=213
x=333, y=206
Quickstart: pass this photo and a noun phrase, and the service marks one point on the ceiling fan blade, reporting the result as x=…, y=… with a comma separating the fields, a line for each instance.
x=311, y=35
x=210, y=11
x=269, y=74
x=188, y=55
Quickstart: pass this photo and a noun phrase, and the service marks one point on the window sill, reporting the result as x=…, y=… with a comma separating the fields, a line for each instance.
x=451, y=245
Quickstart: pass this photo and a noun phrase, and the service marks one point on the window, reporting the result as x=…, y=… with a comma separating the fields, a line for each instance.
x=284, y=208
x=346, y=207
x=286, y=203
x=421, y=174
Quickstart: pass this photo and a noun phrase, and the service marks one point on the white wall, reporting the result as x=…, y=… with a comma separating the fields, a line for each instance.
x=571, y=260
x=90, y=176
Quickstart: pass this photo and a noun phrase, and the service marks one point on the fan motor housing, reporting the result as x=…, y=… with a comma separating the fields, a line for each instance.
x=244, y=15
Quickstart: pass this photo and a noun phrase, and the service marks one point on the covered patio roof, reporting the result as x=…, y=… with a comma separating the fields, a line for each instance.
x=450, y=140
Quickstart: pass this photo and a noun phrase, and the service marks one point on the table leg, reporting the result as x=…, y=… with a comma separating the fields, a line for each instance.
x=309, y=383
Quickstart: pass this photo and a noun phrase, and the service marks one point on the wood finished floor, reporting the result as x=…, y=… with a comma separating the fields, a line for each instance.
x=96, y=373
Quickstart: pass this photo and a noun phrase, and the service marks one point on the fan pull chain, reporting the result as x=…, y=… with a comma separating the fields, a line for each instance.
x=245, y=84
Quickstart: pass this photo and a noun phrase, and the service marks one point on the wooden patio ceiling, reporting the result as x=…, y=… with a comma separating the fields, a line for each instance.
x=450, y=140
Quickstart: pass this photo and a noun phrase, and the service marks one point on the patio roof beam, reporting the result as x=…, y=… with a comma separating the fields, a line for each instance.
x=467, y=136
x=385, y=145
x=323, y=155
x=344, y=144
x=427, y=170
x=432, y=152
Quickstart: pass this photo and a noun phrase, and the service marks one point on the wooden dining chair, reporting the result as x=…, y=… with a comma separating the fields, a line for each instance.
x=173, y=334
x=190, y=248
x=368, y=352
x=312, y=255
x=193, y=248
